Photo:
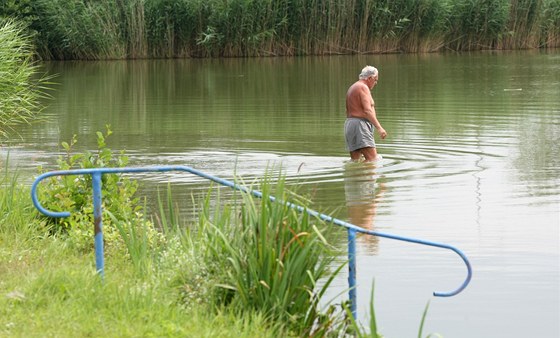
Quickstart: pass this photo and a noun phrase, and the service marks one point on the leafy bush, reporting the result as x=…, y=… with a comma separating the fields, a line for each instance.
x=122, y=210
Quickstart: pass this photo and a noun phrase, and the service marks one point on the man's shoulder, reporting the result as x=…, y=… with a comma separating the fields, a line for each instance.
x=358, y=86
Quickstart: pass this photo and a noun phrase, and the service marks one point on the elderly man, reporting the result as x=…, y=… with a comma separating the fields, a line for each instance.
x=361, y=118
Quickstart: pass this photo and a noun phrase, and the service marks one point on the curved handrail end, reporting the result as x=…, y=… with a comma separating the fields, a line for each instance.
x=38, y=205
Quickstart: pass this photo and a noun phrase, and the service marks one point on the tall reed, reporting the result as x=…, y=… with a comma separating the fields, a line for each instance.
x=522, y=29
x=550, y=23
x=476, y=24
x=217, y=28
x=21, y=85
x=76, y=29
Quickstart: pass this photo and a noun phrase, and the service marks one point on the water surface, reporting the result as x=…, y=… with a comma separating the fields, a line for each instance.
x=471, y=160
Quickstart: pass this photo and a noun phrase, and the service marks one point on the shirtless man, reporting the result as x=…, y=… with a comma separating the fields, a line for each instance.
x=361, y=118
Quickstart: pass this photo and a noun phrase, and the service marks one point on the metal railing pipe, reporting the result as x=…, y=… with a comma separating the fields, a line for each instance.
x=351, y=228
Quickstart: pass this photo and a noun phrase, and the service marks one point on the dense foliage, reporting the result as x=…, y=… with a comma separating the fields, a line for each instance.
x=104, y=29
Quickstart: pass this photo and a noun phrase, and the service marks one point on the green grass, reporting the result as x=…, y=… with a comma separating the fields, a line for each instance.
x=59, y=294
x=250, y=267
x=48, y=288
x=249, y=275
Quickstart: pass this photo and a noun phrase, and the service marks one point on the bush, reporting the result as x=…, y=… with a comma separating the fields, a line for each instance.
x=122, y=210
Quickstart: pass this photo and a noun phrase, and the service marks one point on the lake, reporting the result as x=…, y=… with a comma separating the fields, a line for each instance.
x=472, y=160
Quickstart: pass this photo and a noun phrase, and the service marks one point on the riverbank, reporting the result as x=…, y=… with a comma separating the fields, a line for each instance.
x=218, y=278
x=129, y=29
x=49, y=289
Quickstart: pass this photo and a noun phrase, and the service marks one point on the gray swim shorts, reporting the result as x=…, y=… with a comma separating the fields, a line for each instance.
x=358, y=133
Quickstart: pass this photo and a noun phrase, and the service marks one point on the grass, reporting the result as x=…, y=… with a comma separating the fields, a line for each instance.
x=60, y=294
x=249, y=268
x=206, y=280
x=48, y=288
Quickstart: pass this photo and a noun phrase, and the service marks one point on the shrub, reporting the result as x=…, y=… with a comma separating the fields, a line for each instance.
x=74, y=193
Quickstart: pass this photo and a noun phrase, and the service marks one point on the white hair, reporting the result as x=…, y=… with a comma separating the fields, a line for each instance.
x=367, y=72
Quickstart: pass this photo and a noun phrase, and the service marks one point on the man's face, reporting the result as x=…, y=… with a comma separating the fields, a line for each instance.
x=372, y=81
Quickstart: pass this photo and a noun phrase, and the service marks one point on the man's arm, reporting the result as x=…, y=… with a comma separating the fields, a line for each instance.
x=369, y=110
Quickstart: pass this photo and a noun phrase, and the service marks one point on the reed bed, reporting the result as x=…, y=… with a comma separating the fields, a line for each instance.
x=104, y=29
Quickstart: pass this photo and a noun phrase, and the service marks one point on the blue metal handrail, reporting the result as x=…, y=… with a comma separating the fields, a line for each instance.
x=97, y=173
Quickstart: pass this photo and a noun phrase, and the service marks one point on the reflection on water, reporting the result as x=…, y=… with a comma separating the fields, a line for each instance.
x=363, y=193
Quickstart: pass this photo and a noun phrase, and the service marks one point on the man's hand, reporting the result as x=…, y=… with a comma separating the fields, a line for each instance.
x=382, y=132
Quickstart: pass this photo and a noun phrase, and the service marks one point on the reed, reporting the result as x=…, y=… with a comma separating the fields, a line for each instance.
x=476, y=24
x=550, y=23
x=522, y=29
x=79, y=29
x=22, y=86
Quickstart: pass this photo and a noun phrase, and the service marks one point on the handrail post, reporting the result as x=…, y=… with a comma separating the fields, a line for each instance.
x=352, y=272
x=98, y=223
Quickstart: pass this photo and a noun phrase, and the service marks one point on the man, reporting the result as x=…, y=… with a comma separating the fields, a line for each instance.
x=361, y=118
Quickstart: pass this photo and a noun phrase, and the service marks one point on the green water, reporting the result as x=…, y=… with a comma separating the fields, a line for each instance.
x=471, y=159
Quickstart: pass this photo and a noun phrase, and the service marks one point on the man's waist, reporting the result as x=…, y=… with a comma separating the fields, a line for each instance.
x=358, y=118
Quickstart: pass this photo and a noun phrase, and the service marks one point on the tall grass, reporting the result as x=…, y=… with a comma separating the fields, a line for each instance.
x=476, y=24
x=104, y=29
x=21, y=85
x=523, y=24
x=16, y=213
x=262, y=256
